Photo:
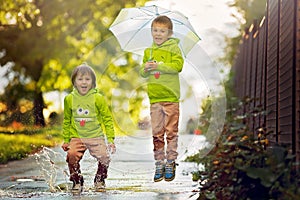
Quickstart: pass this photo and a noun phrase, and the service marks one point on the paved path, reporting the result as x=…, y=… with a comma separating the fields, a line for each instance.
x=130, y=173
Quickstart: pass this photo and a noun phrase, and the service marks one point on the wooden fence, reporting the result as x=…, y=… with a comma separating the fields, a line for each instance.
x=267, y=69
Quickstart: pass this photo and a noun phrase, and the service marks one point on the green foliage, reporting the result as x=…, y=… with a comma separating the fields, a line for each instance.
x=17, y=102
x=242, y=165
x=49, y=38
x=247, y=12
x=209, y=117
x=231, y=49
x=19, y=145
x=205, y=116
x=46, y=39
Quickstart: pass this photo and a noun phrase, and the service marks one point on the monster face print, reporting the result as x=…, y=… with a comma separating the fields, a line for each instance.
x=84, y=114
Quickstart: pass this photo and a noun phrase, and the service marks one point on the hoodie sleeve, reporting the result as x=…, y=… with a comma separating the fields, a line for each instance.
x=67, y=119
x=145, y=59
x=105, y=118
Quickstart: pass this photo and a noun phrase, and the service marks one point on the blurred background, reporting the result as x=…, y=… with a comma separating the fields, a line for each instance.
x=42, y=41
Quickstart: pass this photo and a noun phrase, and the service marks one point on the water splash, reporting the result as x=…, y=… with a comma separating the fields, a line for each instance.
x=49, y=170
x=48, y=162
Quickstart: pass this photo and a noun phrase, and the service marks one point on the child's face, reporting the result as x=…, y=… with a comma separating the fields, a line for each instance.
x=83, y=83
x=160, y=33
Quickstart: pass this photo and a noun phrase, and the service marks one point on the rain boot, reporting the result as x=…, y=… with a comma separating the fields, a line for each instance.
x=159, y=170
x=76, y=178
x=100, y=177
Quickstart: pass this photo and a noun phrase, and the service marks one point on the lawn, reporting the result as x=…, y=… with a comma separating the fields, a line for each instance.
x=18, y=145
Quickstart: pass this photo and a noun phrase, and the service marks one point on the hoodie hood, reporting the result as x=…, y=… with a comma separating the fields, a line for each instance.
x=170, y=41
x=166, y=47
x=90, y=92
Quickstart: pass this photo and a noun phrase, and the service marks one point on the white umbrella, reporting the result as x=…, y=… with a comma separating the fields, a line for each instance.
x=132, y=28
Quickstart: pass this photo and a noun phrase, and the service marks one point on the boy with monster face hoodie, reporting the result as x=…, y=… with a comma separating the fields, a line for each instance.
x=162, y=64
x=85, y=114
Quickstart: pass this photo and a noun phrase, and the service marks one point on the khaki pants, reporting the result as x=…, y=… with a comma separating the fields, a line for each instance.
x=164, y=120
x=97, y=148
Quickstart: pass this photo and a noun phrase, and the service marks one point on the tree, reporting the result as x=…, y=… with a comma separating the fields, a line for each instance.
x=46, y=39
x=247, y=12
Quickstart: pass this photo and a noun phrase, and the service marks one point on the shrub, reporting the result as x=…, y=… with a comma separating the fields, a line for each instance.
x=242, y=165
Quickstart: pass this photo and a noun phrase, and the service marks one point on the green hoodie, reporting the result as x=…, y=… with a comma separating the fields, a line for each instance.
x=85, y=116
x=165, y=86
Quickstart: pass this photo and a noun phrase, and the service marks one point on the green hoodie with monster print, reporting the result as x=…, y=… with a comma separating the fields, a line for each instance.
x=163, y=83
x=86, y=116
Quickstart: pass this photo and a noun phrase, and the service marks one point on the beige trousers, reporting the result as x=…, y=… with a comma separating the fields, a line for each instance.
x=96, y=146
x=164, y=121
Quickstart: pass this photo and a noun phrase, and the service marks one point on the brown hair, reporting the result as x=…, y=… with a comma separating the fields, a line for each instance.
x=84, y=69
x=162, y=19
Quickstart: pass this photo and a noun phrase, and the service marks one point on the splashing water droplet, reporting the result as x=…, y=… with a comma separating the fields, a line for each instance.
x=46, y=160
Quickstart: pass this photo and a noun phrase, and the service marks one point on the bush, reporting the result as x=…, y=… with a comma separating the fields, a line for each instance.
x=242, y=165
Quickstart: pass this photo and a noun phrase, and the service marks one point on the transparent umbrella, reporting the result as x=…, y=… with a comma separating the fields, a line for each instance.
x=132, y=28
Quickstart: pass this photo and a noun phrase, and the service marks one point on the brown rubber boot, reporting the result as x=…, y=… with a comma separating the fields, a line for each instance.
x=76, y=178
x=100, y=177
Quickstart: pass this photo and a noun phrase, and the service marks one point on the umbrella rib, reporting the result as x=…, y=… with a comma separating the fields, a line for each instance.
x=136, y=33
x=150, y=13
x=147, y=12
x=133, y=24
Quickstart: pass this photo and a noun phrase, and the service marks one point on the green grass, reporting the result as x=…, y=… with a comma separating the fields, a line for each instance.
x=19, y=145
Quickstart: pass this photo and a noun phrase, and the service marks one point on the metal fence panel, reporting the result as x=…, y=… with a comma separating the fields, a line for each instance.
x=268, y=71
x=261, y=72
x=272, y=67
x=286, y=73
x=253, y=79
x=297, y=81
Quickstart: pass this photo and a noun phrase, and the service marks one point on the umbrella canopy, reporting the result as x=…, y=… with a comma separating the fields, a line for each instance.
x=132, y=28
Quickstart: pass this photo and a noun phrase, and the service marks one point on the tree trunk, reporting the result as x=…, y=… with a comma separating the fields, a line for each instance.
x=38, y=110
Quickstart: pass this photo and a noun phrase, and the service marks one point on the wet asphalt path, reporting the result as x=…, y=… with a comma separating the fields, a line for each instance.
x=130, y=174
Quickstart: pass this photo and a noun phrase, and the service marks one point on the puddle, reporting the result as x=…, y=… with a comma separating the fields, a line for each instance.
x=45, y=175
